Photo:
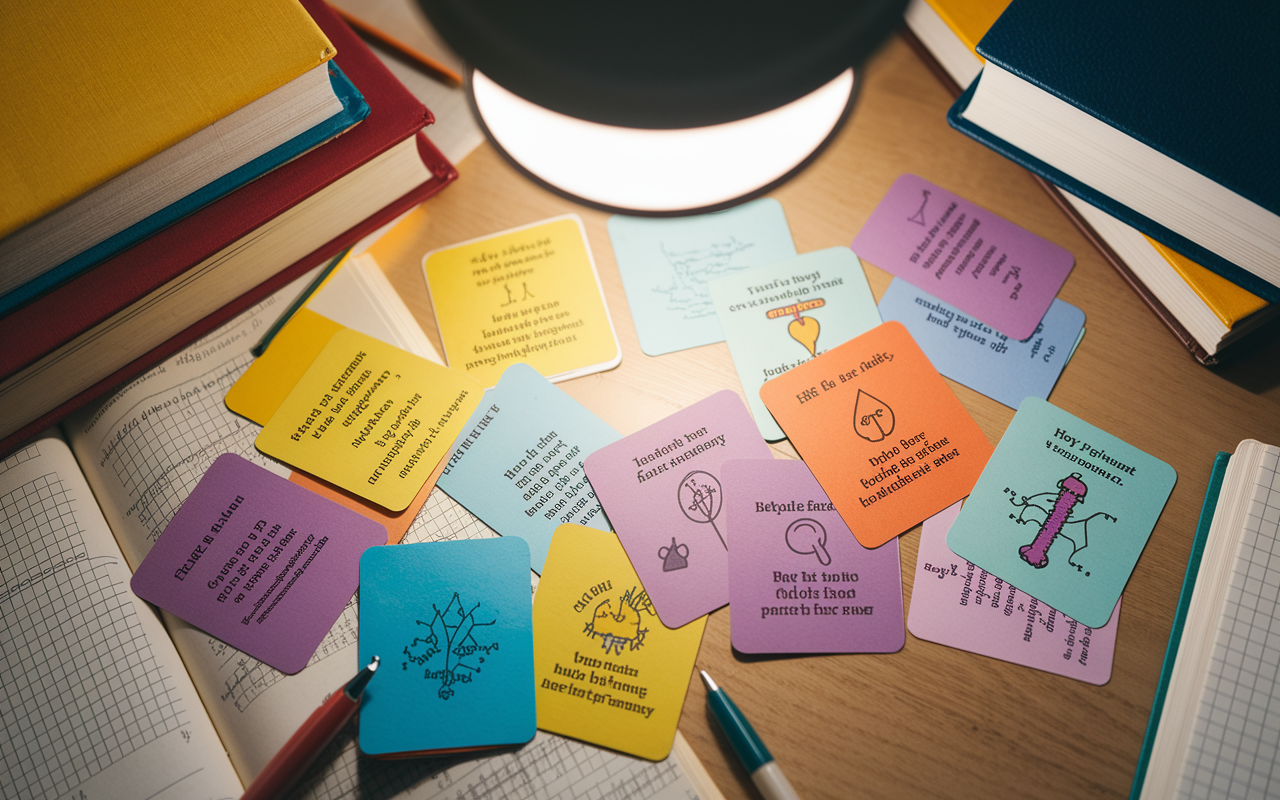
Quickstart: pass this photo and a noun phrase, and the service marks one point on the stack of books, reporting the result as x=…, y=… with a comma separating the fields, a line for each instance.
x=1209, y=302
x=183, y=173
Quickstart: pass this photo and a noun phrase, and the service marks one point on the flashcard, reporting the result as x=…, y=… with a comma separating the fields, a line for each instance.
x=986, y=266
x=607, y=670
x=661, y=488
x=780, y=316
x=259, y=562
x=527, y=294
x=668, y=263
x=370, y=418
x=976, y=355
x=883, y=433
x=1062, y=511
x=959, y=604
x=799, y=582
x=452, y=623
x=518, y=465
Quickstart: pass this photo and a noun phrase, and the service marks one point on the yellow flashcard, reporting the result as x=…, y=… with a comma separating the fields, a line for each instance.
x=529, y=294
x=607, y=670
x=371, y=418
x=264, y=386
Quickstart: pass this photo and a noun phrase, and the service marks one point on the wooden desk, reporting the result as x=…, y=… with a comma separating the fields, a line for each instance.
x=929, y=720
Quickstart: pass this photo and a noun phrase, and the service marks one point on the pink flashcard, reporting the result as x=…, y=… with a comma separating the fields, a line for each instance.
x=956, y=603
x=662, y=491
x=799, y=582
x=261, y=563
x=961, y=253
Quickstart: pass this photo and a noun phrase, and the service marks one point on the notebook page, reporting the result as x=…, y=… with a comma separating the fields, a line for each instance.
x=95, y=701
x=1233, y=750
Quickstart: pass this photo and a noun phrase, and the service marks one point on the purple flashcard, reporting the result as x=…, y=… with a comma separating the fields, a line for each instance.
x=261, y=563
x=661, y=489
x=964, y=255
x=799, y=582
x=956, y=603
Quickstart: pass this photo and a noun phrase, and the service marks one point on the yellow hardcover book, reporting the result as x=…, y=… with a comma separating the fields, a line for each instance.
x=1227, y=301
x=969, y=19
x=95, y=89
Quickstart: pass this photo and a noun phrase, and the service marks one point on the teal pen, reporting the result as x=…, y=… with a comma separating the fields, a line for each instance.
x=765, y=772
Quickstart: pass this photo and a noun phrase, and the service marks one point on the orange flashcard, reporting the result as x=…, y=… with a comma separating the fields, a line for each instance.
x=881, y=431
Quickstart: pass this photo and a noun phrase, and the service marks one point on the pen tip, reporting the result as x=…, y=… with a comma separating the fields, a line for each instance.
x=373, y=664
x=706, y=680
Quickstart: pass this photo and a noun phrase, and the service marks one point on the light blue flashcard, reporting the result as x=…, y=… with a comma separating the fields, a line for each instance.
x=667, y=264
x=452, y=623
x=517, y=464
x=971, y=353
x=779, y=316
x=1062, y=511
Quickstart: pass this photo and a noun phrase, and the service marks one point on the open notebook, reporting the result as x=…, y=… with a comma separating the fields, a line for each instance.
x=102, y=697
x=1215, y=726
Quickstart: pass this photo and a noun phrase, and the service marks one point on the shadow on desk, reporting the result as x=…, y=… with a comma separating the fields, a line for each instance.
x=1254, y=364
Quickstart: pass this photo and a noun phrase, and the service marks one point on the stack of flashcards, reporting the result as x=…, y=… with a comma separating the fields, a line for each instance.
x=1062, y=511
x=528, y=294
x=957, y=603
x=799, y=582
x=518, y=464
x=668, y=264
x=453, y=625
x=608, y=671
x=257, y=561
x=882, y=432
x=782, y=315
x=662, y=491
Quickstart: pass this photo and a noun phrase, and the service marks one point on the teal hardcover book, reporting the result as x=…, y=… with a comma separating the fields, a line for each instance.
x=452, y=623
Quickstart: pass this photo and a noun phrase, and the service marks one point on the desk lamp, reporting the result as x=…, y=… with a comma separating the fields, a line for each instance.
x=667, y=106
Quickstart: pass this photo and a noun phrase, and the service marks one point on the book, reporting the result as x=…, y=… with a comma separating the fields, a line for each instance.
x=1204, y=311
x=1215, y=712
x=95, y=146
x=157, y=707
x=1099, y=99
x=111, y=322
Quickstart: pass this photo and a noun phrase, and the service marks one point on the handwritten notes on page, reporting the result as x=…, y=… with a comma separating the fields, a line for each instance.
x=528, y=294
x=371, y=418
x=257, y=561
x=988, y=267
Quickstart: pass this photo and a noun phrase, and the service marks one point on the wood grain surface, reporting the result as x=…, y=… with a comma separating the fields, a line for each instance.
x=928, y=721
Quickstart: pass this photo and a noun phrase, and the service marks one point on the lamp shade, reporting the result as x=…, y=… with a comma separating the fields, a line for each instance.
x=764, y=77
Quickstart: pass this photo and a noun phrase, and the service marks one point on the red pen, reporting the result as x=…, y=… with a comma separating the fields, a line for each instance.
x=303, y=747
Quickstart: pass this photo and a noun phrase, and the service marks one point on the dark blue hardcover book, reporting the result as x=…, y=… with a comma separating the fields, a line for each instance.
x=1195, y=83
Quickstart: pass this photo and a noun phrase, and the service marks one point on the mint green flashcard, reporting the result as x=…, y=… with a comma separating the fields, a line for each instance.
x=1062, y=511
x=779, y=316
x=667, y=263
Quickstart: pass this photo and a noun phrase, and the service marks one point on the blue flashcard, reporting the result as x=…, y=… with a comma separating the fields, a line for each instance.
x=1062, y=511
x=667, y=264
x=517, y=464
x=453, y=625
x=971, y=353
x=779, y=316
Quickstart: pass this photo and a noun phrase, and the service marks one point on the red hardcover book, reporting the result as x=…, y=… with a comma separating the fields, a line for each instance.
x=117, y=319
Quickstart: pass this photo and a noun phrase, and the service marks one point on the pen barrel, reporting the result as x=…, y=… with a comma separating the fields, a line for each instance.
x=750, y=749
x=302, y=748
x=773, y=785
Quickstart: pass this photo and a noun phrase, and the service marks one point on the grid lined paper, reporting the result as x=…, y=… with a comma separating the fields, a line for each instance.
x=1236, y=740
x=62, y=609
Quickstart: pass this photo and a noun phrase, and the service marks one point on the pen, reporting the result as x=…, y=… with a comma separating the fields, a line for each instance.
x=431, y=65
x=261, y=347
x=765, y=772
x=305, y=744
